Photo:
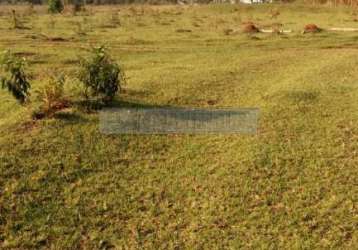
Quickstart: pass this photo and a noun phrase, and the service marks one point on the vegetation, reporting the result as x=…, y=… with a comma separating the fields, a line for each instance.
x=101, y=76
x=55, y=6
x=51, y=97
x=14, y=79
x=64, y=185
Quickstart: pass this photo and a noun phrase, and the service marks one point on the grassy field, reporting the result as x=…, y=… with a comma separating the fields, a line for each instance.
x=293, y=185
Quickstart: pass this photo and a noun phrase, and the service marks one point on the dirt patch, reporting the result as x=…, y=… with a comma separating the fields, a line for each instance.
x=27, y=126
x=311, y=28
x=135, y=41
x=108, y=26
x=302, y=96
x=36, y=37
x=24, y=54
x=46, y=38
x=70, y=61
x=183, y=30
x=250, y=28
x=164, y=23
x=50, y=112
x=212, y=102
x=57, y=39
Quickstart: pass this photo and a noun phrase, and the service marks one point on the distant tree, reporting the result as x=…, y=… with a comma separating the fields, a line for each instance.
x=55, y=6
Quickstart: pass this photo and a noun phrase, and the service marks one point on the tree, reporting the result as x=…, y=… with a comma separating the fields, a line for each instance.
x=55, y=6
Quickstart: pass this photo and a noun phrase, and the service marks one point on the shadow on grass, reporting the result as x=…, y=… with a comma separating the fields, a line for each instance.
x=69, y=117
x=184, y=113
x=126, y=104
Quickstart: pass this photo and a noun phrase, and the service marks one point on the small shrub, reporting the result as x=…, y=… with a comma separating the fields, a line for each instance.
x=55, y=6
x=15, y=79
x=51, y=98
x=101, y=76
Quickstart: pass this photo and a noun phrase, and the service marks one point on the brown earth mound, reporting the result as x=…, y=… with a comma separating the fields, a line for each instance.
x=250, y=28
x=311, y=28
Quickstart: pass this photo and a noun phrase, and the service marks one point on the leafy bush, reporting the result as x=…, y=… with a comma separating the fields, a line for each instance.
x=52, y=97
x=55, y=6
x=101, y=76
x=15, y=79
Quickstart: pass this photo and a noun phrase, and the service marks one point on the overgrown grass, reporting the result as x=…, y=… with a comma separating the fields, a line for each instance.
x=64, y=185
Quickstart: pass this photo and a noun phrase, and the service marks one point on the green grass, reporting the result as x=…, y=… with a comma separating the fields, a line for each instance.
x=64, y=185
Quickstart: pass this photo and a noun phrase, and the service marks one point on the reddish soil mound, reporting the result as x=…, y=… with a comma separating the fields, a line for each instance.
x=311, y=28
x=250, y=28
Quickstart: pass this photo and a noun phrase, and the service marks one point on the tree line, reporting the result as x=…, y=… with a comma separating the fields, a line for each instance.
x=99, y=2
